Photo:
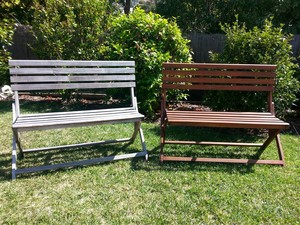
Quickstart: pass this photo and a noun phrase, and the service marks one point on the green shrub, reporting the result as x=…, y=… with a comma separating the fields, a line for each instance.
x=149, y=40
x=6, y=35
x=268, y=45
x=6, y=38
x=69, y=29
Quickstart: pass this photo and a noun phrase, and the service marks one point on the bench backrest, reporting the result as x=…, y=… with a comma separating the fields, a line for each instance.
x=47, y=75
x=34, y=75
x=214, y=76
x=211, y=76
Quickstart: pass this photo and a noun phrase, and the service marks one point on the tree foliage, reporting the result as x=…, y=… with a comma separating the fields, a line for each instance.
x=206, y=15
x=70, y=29
x=268, y=45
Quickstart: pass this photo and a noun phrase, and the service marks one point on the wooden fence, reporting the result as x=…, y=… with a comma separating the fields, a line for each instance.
x=200, y=44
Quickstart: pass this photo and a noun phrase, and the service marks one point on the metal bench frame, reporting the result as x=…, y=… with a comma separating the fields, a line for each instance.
x=230, y=77
x=37, y=75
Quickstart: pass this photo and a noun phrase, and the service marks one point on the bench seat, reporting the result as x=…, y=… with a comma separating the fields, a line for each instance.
x=55, y=120
x=249, y=120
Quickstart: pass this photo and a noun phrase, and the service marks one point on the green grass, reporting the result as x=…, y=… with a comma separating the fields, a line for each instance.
x=139, y=192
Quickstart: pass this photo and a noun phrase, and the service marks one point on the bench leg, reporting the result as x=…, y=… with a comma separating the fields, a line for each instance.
x=137, y=126
x=279, y=148
x=143, y=143
x=273, y=134
x=138, y=129
x=14, y=158
x=18, y=142
x=162, y=139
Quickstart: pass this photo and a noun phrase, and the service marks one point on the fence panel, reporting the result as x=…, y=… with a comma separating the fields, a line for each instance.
x=201, y=44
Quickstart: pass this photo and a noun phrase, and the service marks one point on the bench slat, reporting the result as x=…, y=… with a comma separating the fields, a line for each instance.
x=52, y=86
x=218, y=87
x=43, y=63
x=220, y=66
x=79, y=112
x=38, y=79
x=221, y=113
x=35, y=118
x=219, y=80
x=219, y=119
x=57, y=71
x=74, y=119
x=232, y=73
x=208, y=76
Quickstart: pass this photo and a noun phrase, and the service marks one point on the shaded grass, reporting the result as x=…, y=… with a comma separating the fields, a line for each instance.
x=139, y=192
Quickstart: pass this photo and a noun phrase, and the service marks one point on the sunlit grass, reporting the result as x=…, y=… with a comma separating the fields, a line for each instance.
x=140, y=192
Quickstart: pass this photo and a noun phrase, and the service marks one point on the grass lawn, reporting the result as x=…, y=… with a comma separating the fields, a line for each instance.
x=139, y=192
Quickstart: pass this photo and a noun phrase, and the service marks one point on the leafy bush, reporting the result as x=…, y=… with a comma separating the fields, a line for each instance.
x=149, y=40
x=6, y=34
x=69, y=29
x=268, y=45
x=6, y=37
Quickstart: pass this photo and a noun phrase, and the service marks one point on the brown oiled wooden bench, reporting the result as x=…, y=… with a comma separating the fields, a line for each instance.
x=49, y=75
x=225, y=77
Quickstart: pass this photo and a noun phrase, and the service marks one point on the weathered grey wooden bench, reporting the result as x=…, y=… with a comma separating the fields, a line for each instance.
x=225, y=77
x=41, y=75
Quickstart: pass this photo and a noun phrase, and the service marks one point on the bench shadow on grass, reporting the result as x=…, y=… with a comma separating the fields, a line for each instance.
x=176, y=133
x=55, y=156
x=5, y=106
x=204, y=134
x=153, y=164
x=63, y=156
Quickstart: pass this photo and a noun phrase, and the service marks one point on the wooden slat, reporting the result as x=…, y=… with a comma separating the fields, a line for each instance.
x=218, y=80
x=221, y=113
x=74, y=119
x=51, y=86
x=73, y=116
x=214, y=76
x=80, y=112
x=233, y=73
x=83, y=63
x=57, y=71
x=220, y=66
x=225, y=119
x=219, y=87
x=39, y=79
